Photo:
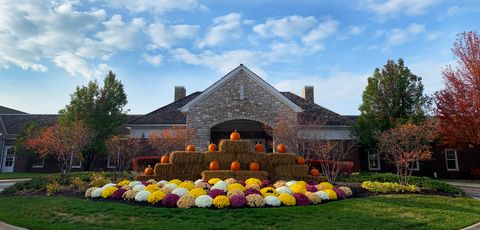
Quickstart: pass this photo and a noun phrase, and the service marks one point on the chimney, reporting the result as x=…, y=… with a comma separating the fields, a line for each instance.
x=180, y=92
x=307, y=93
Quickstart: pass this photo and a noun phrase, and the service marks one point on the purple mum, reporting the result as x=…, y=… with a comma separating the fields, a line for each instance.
x=145, y=183
x=252, y=191
x=237, y=201
x=301, y=199
x=117, y=195
x=170, y=200
x=265, y=183
x=340, y=193
x=216, y=192
x=312, y=182
x=312, y=188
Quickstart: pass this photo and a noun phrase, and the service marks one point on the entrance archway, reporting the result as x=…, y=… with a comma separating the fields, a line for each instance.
x=248, y=129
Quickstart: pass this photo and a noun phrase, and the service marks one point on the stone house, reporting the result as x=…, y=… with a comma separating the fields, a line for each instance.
x=242, y=101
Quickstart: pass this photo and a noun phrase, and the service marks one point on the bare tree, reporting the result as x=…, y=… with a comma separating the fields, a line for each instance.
x=171, y=139
x=122, y=151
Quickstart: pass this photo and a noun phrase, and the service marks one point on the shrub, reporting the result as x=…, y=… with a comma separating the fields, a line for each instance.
x=98, y=180
x=53, y=188
x=388, y=187
x=78, y=182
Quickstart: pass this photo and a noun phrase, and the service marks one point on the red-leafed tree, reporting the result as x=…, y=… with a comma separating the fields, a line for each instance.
x=64, y=142
x=171, y=139
x=122, y=151
x=458, y=105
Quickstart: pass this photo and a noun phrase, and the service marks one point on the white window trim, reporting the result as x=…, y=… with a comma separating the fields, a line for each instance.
x=109, y=163
x=418, y=165
x=77, y=166
x=39, y=166
x=456, y=160
x=378, y=162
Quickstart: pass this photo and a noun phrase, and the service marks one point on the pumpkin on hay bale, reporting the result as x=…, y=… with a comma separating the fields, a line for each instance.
x=239, y=146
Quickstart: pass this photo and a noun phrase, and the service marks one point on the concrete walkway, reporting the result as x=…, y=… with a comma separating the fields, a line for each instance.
x=5, y=226
x=9, y=182
x=472, y=189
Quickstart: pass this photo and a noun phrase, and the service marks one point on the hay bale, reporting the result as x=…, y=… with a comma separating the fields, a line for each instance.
x=281, y=158
x=182, y=157
x=224, y=159
x=244, y=175
x=240, y=146
x=164, y=170
x=288, y=172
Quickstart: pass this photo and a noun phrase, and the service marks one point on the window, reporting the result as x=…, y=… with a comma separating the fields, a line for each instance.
x=77, y=163
x=10, y=158
x=38, y=162
x=373, y=160
x=416, y=165
x=110, y=163
x=452, y=160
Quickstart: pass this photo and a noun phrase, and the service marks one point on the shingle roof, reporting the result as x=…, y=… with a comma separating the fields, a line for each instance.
x=169, y=114
x=5, y=110
x=312, y=114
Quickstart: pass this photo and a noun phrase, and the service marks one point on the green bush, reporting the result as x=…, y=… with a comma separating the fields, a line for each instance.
x=423, y=182
x=388, y=187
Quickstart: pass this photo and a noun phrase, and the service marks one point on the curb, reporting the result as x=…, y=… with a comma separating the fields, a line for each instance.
x=6, y=226
x=473, y=227
x=14, y=180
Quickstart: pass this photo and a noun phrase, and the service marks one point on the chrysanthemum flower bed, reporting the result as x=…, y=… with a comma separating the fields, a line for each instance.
x=217, y=193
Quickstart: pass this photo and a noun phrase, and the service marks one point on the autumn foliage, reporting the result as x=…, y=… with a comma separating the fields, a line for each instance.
x=171, y=139
x=123, y=150
x=458, y=105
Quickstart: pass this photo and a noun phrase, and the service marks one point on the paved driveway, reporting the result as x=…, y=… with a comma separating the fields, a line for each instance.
x=7, y=183
x=472, y=189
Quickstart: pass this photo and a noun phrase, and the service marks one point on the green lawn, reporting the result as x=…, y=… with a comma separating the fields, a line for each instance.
x=18, y=175
x=376, y=212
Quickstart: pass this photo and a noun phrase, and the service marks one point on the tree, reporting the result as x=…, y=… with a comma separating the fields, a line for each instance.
x=404, y=145
x=64, y=142
x=458, y=105
x=171, y=139
x=122, y=151
x=99, y=108
x=28, y=131
x=285, y=132
x=394, y=95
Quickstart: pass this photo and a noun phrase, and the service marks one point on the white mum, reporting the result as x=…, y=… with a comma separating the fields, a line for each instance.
x=203, y=201
x=290, y=183
x=198, y=181
x=109, y=185
x=180, y=192
x=133, y=183
x=142, y=196
x=284, y=189
x=272, y=201
x=97, y=192
x=323, y=195
x=171, y=186
x=139, y=187
x=222, y=185
x=162, y=183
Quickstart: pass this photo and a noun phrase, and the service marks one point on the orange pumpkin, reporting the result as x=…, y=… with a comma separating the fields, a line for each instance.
x=235, y=166
x=148, y=171
x=254, y=166
x=165, y=159
x=214, y=165
x=212, y=147
x=190, y=148
x=314, y=172
x=259, y=148
x=235, y=136
x=300, y=161
x=281, y=148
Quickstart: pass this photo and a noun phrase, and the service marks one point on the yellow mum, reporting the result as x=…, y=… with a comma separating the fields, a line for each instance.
x=269, y=191
x=108, y=191
x=196, y=192
x=332, y=195
x=187, y=185
x=253, y=181
x=298, y=188
x=214, y=181
x=221, y=201
x=324, y=185
x=123, y=183
x=176, y=181
x=302, y=183
x=155, y=197
x=287, y=199
x=152, y=188
x=235, y=186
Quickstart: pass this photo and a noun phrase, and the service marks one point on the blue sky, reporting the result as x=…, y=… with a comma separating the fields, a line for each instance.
x=47, y=48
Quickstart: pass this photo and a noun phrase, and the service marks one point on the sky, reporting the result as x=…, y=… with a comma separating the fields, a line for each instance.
x=48, y=48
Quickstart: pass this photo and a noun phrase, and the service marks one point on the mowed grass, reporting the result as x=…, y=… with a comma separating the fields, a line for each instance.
x=4, y=176
x=376, y=212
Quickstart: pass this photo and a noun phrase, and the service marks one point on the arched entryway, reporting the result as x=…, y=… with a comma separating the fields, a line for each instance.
x=248, y=129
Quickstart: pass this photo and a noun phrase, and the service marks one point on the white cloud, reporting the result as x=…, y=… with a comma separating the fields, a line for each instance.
x=75, y=65
x=400, y=36
x=324, y=29
x=159, y=6
x=431, y=73
x=340, y=90
x=155, y=60
x=286, y=27
x=119, y=35
x=225, y=28
x=163, y=36
x=391, y=8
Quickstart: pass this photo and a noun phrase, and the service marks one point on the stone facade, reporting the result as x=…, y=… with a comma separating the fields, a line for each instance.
x=228, y=102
